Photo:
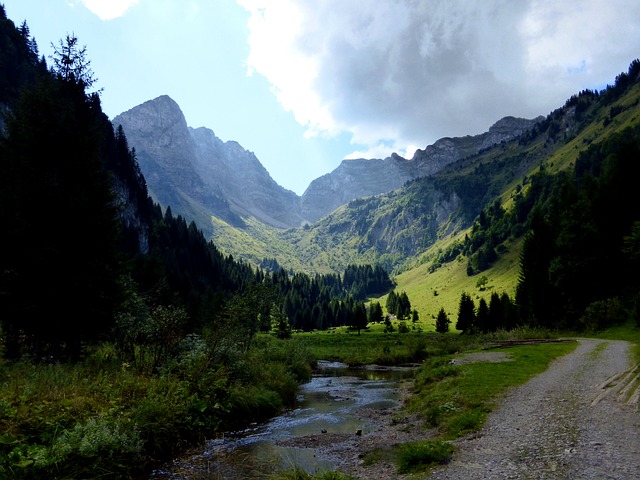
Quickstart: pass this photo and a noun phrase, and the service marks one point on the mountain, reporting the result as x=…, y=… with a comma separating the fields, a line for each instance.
x=198, y=175
x=425, y=221
x=243, y=181
x=362, y=178
x=404, y=209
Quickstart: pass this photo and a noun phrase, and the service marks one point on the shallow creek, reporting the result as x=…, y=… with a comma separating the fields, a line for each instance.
x=326, y=409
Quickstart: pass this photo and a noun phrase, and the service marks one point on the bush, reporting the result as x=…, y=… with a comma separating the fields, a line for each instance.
x=602, y=314
x=417, y=456
x=99, y=444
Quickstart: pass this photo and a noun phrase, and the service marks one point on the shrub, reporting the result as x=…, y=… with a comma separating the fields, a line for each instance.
x=417, y=456
x=99, y=444
x=602, y=314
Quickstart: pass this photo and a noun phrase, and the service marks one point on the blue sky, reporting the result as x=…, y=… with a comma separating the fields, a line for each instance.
x=304, y=84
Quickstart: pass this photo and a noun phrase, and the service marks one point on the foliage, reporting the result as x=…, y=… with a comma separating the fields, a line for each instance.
x=398, y=304
x=52, y=159
x=19, y=59
x=575, y=254
x=442, y=321
x=417, y=456
x=466, y=314
x=70, y=62
x=102, y=417
x=364, y=280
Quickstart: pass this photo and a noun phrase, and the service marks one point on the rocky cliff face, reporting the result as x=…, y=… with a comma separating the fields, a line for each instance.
x=359, y=178
x=199, y=175
x=243, y=181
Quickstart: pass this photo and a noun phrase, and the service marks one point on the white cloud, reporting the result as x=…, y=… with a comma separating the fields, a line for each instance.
x=407, y=72
x=109, y=9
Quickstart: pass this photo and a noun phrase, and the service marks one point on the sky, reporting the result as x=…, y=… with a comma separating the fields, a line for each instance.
x=305, y=84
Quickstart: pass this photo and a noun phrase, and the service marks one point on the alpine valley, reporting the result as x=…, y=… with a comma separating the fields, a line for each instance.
x=158, y=289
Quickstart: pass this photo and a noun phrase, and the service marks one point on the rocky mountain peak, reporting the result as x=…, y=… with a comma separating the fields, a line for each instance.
x=198, y=174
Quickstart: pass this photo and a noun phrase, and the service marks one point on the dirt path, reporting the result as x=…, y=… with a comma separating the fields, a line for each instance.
x=577, y=420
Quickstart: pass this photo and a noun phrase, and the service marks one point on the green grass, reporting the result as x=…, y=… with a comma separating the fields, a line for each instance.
x=428, y=292
x=456, y=399
x=416, y=456
x=376, y=347
x=370, y=347
x=300, y=474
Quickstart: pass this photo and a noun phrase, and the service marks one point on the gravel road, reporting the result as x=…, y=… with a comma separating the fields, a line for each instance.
x=577, y=420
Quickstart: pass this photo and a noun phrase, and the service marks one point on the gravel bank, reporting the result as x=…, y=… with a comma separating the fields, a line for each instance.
x=577, y=420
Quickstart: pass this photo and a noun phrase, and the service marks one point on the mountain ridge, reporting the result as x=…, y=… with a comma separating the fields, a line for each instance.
x=345, y=184
x=200, y=176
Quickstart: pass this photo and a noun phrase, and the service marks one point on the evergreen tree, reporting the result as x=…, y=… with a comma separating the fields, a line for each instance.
x=71, y=63
x=392, y=303
x=482, y=316
x=442, y=321
x=53, y=162
x=280, y=323
x=495, y=318
x=466, y=314
x=509, y=312
x=388, y=326
x=375, y=313
x=359, y=317
x=403, y=309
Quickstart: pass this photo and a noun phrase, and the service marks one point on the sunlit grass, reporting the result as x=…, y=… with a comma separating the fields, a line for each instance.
x=456, y=399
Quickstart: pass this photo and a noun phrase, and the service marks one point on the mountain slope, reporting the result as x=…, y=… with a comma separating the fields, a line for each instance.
x=398, y=229
x=167, y=155
x=362, y=178
x=243, y=181
x=198, y=175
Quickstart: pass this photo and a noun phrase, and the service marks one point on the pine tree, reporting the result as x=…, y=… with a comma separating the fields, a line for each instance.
x=358, y=317
x=466, y=314
x=482, y=316
x=496, y=318
x=442, y=321
x=392, y=303
x=375, y=313
x=403, y=309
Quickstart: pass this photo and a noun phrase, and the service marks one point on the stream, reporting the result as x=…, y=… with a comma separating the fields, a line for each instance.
x=325, y=413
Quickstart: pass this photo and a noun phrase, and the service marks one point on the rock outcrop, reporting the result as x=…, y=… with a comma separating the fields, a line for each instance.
x=198, y=175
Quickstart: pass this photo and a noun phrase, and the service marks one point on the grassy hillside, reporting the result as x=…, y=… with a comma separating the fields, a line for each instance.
x=598, y=123
x=430, y=291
